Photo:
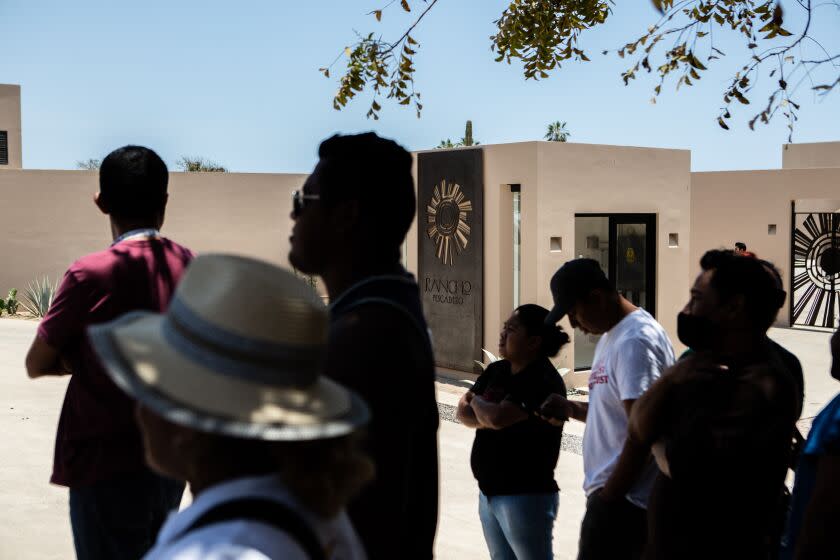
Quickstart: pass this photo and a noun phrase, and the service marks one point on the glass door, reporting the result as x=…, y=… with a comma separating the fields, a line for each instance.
x=625, y=247
x=632, y=263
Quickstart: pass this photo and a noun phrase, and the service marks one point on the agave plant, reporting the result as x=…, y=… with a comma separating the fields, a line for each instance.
x=490, y=359
x=493, y=358
x=38, y=297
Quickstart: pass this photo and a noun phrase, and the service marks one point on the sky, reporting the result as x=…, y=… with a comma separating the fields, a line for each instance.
x=238, y=83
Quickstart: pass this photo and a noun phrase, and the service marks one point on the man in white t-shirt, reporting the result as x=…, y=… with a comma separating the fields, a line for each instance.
x=631, y=354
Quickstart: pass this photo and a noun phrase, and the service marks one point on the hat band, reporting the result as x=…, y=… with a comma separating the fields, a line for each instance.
x=230, y=353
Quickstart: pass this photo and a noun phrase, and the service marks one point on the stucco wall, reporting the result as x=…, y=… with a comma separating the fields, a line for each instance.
x=49, y=218
x=10, y=122
x=812, y=155
x=582, y=178
x=559, y=180
x=735, y=206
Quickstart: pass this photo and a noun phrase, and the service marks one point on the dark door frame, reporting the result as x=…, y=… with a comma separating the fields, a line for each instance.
x=649, y=220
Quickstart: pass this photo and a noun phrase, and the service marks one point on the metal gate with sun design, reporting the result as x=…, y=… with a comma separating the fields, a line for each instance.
x=815, y=282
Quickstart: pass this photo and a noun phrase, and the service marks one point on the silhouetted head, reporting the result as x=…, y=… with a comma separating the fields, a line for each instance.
x=133, y=183
x=582, y=291
x=731, y=296
x=526, y=336
x=358, y=201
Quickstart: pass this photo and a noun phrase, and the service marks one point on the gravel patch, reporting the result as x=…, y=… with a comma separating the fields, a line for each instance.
x=571, y=443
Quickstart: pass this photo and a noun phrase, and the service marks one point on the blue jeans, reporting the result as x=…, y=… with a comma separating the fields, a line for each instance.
x=518, y=527
x=119, y=519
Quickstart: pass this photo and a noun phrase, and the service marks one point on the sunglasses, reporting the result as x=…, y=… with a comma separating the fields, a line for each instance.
x=299, y=201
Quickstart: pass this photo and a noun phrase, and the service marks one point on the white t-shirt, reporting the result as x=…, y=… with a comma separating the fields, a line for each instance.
x=628, y=359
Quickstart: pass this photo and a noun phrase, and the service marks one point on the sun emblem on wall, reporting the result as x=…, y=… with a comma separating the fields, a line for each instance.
x=446, y=215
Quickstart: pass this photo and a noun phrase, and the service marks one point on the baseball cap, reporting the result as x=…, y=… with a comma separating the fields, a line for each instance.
x=573, y=281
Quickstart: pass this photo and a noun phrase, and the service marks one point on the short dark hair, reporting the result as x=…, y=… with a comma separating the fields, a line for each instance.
x=133, y=183
x=736, y=276
x=375, y=172
x=740, y=245
x=532, y=318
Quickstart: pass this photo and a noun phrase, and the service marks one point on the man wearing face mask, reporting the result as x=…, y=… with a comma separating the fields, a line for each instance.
x=720, y=423
x=708, y=264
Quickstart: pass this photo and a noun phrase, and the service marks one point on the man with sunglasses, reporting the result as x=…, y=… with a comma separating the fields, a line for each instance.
x=350, y=221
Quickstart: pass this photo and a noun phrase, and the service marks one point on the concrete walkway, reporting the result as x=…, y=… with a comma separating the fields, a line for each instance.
x=34, y=521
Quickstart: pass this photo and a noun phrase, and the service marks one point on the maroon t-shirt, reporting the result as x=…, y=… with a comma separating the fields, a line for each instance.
x=97, y=437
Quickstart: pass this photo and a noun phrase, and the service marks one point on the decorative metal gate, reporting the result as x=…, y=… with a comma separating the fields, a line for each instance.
x=815, y=281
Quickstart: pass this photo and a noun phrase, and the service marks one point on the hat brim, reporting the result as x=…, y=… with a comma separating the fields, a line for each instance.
x=557, y=312
x=136, y=355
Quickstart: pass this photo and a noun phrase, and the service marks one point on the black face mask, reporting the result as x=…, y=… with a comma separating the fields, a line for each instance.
x=698, y=333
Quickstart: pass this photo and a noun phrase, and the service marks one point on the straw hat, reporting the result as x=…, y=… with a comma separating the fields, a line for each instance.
x=238, y=352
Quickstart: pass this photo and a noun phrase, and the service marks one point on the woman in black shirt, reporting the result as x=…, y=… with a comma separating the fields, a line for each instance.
x=515, y=452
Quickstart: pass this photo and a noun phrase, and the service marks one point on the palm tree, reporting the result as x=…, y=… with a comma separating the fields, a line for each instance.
x=445, y=144
x=557, y=132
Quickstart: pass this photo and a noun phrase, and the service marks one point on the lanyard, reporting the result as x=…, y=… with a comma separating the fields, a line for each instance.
x=146, y=232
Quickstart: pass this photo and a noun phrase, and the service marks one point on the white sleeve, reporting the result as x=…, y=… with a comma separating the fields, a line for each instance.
x=637, y=366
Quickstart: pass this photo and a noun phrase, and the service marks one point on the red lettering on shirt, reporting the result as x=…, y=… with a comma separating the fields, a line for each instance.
x=598, y=377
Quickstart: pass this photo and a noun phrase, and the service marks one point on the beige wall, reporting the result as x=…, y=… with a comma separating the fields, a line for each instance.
x=10, y=122
x=557, y=181
x=581, y=178
x=740, y=205
x=809, y=156
x=54, y=220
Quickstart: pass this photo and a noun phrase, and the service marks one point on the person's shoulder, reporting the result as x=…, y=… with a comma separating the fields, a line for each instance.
x=644, y=331
x=499, y=367
x=232, y=540
x=177, y=248
x=787, y=357
x=375, y=318
x=93, y=266
x=551, y=378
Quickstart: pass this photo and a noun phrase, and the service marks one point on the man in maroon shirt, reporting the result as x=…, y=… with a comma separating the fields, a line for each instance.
x=117, y=504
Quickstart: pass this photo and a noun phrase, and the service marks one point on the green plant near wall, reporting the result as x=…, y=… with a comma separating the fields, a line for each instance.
x=10, y=304
x=39, y=296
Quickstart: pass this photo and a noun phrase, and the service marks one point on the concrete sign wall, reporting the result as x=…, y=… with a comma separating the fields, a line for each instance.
x=450, y=249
